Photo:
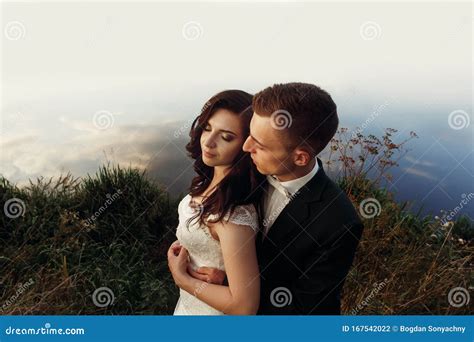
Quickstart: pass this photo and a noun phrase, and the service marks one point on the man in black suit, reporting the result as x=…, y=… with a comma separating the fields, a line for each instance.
x=310, y=228
x=306, y=255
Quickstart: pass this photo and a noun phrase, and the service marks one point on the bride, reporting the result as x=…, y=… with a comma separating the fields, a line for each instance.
x=219, y=218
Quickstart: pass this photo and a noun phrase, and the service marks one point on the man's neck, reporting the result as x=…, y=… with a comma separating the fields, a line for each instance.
x=297, y=173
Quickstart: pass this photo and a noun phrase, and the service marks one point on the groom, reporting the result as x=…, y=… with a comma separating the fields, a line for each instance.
x=310, y=228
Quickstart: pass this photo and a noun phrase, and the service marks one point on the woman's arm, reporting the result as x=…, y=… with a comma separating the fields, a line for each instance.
x=242, y=296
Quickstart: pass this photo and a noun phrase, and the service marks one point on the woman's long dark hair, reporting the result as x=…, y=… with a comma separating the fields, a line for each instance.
x=243, y=184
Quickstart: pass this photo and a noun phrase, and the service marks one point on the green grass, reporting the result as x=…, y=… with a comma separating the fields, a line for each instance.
x=113, y=229
x=68, y=255
x=407, y=264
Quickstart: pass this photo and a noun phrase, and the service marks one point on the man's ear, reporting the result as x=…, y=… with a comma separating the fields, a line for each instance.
x=301, y=157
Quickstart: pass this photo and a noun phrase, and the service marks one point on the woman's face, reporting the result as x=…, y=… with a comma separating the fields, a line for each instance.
x=222, y=138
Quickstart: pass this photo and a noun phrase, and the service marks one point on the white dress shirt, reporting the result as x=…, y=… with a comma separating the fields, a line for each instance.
x=279, y=194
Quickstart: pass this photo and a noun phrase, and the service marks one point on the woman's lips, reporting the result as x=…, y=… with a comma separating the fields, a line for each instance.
x=208, y=155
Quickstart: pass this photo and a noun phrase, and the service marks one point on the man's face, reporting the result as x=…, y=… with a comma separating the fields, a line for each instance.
x=267, y=148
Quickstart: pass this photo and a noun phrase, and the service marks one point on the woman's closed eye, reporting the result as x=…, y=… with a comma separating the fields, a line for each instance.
x=225, y=137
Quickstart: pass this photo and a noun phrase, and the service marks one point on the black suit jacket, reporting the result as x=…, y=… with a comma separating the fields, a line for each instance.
x=308, y=251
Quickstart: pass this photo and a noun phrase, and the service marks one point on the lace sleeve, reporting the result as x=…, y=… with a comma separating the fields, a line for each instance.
x=245, y=215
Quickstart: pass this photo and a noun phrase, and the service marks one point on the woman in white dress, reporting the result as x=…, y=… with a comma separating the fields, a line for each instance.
x=219, y=218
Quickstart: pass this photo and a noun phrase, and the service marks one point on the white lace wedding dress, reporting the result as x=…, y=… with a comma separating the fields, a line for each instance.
x=204, y=250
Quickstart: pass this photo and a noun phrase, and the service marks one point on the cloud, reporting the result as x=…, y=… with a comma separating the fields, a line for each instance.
x=419, y=173
x=419, y=162
x=154, y=148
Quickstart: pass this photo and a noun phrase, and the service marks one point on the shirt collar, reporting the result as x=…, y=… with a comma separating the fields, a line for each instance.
x=289, y=188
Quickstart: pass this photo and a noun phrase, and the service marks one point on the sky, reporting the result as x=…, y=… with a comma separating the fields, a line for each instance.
x=83, y=83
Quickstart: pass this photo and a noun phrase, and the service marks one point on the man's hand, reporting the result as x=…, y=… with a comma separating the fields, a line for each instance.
x=175, y=247
x=207, y=274
x=178, y=262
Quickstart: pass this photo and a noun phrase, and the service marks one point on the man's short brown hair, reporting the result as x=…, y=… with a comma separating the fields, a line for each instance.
x=305, y=113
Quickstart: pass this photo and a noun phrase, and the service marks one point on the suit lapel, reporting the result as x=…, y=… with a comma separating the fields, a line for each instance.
x=298, y=210
x=293, y=215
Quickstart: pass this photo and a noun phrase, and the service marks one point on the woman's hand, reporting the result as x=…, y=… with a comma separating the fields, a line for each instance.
x=178, y=263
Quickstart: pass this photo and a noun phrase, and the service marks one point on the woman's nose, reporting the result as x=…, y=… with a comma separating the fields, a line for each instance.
x=209, y=142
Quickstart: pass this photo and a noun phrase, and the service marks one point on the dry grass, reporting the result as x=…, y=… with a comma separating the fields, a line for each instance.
x=68, y=256
x=54, y=256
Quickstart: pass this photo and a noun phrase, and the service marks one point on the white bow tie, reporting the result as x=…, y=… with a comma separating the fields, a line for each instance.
x=277, y=185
